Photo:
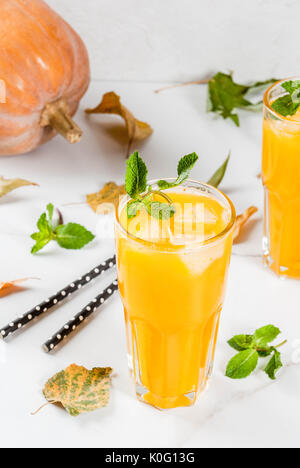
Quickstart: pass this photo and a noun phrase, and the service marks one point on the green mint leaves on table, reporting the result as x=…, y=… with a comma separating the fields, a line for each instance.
x=290, y=102
x=136, y=186
x=252, y=347
x=69, y=236
x=225, y=96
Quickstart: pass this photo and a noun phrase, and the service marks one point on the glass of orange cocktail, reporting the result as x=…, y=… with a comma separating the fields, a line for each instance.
x=281, y=179
x=172, y=277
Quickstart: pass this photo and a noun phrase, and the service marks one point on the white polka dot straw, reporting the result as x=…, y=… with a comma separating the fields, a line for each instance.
x=67, y=329
x=51, y=302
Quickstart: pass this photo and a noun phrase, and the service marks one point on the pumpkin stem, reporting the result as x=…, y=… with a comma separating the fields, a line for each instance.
x=57, y=115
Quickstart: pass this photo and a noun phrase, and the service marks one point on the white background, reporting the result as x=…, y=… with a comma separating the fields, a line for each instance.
x=173, y=40
x=136, y=46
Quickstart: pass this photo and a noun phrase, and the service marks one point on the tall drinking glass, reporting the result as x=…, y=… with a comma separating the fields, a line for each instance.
x=172, y=277
x=281, y=179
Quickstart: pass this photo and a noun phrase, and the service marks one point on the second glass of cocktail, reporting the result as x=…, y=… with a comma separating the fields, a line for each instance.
x=172, y=275
x=281, y=178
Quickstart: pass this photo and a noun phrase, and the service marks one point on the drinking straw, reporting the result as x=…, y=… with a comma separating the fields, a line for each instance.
x=52, y=301
x=70, y=327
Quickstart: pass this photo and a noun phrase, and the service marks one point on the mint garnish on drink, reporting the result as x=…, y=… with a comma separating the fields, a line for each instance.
x=251, y=348
x=143, y=196
x=289, y=103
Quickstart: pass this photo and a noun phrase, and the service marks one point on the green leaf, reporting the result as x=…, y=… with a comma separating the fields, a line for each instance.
x=41, y=242
x=184, y=168
x=218, y=176
x=241, y=342
x=73, y=236
x=185, y=165
x=290, y=102
x=160, y=210
x=285, y=106
x=265, y=335
x=242, y=365
x=274, y=365
x=79, y=390
x=44, y=236
x=263, y=353
x=136, y=175
x=291, y=86
x=50, y=209
x=133, y=208
x=225, y=96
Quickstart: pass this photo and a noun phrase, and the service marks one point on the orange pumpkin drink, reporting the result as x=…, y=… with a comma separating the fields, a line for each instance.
x=281, y=178
x=173, y=246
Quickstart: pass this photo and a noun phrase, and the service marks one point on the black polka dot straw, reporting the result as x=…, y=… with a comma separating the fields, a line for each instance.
x=80, y=318
x=48, y=304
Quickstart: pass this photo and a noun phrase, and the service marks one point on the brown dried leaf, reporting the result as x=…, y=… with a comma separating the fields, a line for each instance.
x=111, y=104
x=242, y=219
x=7, y=185
x=105, y=201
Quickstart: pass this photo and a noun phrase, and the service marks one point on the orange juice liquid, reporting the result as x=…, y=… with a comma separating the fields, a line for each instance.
x=281, y=177
x=173, y=294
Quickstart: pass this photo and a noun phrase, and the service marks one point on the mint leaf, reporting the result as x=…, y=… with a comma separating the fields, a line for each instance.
x=285, y=106
x=160, y=210
x=274, y=365
x=265, y=335
x=265, y=352
x=290, y=102
x=133, y=208
x=242, y=365
x=241, y=342
x=218, y=176
x=136, y=175
x=291, y=86
x=50, y=209
x=225, y=96
x=184, y=168
x=44, y=236
x=73, y=236
x=252, y=347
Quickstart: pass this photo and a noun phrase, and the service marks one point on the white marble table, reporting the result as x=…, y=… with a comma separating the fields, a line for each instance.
x=250, y=413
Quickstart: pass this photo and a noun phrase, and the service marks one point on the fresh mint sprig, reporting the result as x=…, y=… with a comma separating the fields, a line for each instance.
x=136, y=186
x=290, y=102
x=70, y=236
x=142, y=196
x=251, y=348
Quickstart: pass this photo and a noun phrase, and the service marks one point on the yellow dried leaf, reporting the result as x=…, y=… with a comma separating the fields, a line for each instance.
x=242, y=219
x=79, y=390
x=7, y=185
x=105, y=201
x=111, y=104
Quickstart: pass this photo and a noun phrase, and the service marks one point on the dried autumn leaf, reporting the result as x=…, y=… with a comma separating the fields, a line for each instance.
x=242, y=219
x=79, y=390
x=104, y=201
x=111, y=104
x=9, y=284
x=7, y=185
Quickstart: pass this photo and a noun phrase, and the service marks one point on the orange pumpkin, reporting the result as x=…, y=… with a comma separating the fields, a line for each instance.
x=45, y=68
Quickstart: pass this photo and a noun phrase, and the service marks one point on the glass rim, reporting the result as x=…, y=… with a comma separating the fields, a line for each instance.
x=189, y=245
x=267, y=104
